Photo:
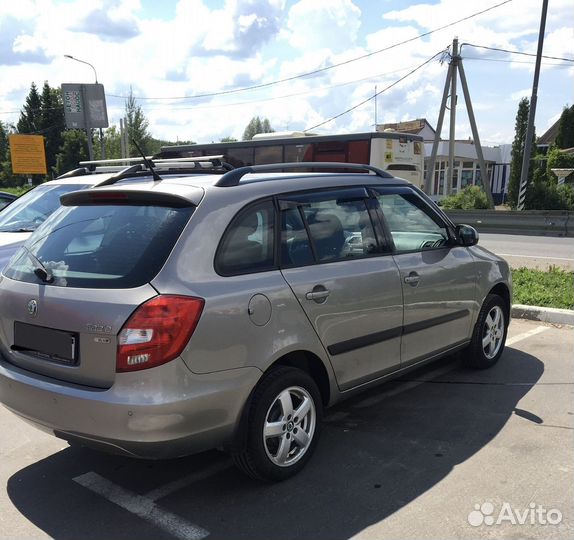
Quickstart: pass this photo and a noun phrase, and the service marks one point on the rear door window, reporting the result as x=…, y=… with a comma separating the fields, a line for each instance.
x=101, y=246
x=327, y=226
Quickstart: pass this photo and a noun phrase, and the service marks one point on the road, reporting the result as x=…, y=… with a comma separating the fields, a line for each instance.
x=437, y=454
x=531, y=251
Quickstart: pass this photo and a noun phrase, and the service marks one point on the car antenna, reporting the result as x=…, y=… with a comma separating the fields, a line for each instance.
x=149, y=164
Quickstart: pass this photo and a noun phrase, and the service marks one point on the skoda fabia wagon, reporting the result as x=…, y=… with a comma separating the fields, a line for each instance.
x=162, y=317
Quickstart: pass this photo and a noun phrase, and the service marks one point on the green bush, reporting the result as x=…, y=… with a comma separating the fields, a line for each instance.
x=566, y=194
x=470, y=198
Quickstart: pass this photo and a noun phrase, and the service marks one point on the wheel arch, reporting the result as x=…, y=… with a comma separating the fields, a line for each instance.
x=300, y=359
x=502, y=290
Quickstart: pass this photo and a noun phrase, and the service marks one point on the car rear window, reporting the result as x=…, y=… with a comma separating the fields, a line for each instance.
x=102, y=246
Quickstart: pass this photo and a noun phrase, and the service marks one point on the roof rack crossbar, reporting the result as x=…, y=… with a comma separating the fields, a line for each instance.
x=233, y=177
x=115, y=160
x=191, y=159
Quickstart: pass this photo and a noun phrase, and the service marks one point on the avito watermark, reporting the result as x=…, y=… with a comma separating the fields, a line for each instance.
x=534, y=514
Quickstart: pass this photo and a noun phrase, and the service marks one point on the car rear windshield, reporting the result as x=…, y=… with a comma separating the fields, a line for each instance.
x=30, y=210
x=101, y=246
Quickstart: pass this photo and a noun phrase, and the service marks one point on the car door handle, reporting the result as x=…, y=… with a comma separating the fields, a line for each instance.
x=412, y=279
x=317, y=295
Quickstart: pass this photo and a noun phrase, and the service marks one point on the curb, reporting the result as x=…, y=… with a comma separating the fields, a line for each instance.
x=543, y=314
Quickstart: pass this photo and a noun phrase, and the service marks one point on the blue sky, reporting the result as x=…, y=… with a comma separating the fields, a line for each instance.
x=168, y=52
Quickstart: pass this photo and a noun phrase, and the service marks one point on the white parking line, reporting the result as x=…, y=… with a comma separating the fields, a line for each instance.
x=534, y=257
x=142, y=507
x=168, y=489
x=524, y=335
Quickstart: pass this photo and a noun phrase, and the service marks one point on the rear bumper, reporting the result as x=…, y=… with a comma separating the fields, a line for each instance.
x=161, y=413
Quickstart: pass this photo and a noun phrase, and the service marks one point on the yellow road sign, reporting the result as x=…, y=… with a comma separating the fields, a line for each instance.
x=28, y=154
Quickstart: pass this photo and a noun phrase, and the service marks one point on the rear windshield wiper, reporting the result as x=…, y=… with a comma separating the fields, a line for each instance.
x=41, y=272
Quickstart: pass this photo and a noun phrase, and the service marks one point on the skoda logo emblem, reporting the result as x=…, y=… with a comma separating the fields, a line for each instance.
x=32, y=308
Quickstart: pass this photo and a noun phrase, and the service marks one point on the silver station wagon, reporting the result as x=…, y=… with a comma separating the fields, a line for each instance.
x=163, y=317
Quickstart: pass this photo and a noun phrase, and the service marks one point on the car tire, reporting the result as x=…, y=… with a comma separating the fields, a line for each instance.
x=489, y=335
x=279, y=441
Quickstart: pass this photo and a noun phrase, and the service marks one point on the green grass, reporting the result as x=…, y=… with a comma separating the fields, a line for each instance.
x=554, y=288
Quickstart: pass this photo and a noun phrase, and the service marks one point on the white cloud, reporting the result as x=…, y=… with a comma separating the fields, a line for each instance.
x=323, y=24
x=210, y=46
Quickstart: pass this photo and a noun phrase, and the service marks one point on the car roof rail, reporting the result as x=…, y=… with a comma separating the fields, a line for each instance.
x=80, y=171
x=232, y=178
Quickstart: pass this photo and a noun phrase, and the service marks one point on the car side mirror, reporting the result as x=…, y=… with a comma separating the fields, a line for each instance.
x=466, y=235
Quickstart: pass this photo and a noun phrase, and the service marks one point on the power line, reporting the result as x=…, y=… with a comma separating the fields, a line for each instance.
x=320, y=70
x=514, y=61
x=284, y=96
x=248, y=102
x=515, y=52
x=377, y=93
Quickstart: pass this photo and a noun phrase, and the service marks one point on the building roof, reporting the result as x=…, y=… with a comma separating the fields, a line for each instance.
x=410, y=126
x=549, y=136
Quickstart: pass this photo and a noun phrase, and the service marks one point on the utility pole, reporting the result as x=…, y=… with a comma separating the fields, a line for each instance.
x=455, y=65
x=452, y=137
x=122, y=139
x=88, y=125
x=532, y=112
x=375, y=107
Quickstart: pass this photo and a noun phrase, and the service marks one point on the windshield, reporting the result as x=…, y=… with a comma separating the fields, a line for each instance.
x=101, y=246
x=29, y=211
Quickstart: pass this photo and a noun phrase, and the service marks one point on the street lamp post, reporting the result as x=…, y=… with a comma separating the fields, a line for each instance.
x=102, y=144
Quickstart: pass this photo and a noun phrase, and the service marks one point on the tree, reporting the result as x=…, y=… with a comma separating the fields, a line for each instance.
x=228, y=139
x=255, y=126
x=565, y=135
x=518, y=152
x=5, y=163
x=73, y=150
x=112, y=143
x=31, y=114
x=3, y=143
x=137, y=127
x=52, y=122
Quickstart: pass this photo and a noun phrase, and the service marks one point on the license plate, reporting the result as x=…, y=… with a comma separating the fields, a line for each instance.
x=46, y=342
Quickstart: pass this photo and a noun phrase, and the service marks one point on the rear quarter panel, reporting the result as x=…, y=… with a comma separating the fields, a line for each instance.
x=226, y=336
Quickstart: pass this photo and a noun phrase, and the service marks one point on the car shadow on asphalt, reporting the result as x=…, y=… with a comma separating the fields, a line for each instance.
x=378, y=452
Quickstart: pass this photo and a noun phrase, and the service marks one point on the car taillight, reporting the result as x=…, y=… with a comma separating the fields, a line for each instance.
x=157, y=331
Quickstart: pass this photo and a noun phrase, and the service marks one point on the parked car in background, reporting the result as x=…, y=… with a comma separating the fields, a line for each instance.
x=30, y=210
x=162, y=317
x=6, y=198
x=26, y=213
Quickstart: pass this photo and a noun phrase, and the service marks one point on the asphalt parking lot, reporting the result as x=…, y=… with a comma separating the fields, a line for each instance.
x=442, y=453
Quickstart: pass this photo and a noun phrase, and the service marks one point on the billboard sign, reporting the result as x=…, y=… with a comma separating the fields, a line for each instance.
x=84, y=106
x=28, y=154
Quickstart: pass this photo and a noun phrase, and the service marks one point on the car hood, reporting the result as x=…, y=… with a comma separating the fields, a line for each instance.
x=9, y=244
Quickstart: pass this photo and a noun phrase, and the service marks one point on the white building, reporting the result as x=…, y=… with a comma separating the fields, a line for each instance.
x=466, y=168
